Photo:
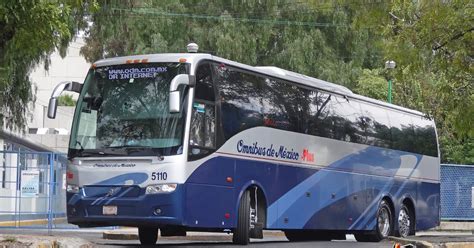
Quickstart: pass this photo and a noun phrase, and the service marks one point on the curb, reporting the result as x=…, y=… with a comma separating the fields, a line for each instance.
x=132, y=234
x=416, y=243
x=426, y=244
x=14, y=223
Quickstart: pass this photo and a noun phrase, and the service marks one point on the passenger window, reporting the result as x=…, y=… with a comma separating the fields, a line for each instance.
x=348, y=126
x=425, y=136
x=377, y=125
x=241, y=96
x=320, y=121
x=403, y=134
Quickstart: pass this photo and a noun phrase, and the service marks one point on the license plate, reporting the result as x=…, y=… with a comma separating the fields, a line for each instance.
x=109, y=210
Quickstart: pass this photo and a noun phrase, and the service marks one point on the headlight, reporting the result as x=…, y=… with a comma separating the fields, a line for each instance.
x=161, y=188
x=71, y=188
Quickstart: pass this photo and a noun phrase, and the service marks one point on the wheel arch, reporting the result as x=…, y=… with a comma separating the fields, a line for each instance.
x=261, y=197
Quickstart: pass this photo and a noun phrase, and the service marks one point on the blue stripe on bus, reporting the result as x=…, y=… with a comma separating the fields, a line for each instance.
x=297, y=197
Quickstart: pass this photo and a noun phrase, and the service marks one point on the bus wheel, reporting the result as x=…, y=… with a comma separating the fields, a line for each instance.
x=148, y=235
x=383, y=228
x=406, y=222
x=241, y=234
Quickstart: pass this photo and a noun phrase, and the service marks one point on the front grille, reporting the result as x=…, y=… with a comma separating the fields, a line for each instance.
x=112, y=191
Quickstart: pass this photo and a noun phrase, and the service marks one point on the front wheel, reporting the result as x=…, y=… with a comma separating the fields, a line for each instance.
x=383, y=228
x=241, y=234
x=148, y=235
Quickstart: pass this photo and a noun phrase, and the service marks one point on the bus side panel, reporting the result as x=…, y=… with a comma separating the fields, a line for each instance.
x=210, y=194
x=209, y=206
x=427, y=205
x=203, y=189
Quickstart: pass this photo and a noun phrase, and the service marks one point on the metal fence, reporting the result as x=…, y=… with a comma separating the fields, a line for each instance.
x=457, y=192
x=32, y=189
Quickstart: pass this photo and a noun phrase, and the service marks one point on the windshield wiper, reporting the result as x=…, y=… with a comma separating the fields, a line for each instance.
x=129, y=146
x=138, y=148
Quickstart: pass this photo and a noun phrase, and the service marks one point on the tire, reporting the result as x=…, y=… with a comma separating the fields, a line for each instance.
x=383, y=227
x=241, y=234
x=148, y=235
x=406, y=222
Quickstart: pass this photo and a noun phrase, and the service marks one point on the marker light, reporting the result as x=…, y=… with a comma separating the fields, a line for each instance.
x=160, y=188
x=182, y=60
x=71, y=188
x=70, y=175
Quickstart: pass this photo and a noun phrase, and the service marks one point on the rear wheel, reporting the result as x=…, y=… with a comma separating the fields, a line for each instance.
x=383, y=228
x=241, y=234
x=148, y=235
x=406, y=222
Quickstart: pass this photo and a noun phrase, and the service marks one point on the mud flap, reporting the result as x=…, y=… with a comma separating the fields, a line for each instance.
x=257, y=231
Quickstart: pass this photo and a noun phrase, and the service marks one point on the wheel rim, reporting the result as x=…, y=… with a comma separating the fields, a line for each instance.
x=404, y=222
x=384, y=222
x=253, y=218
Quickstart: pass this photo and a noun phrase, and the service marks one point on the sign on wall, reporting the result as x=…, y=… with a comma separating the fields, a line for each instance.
x=30, y=183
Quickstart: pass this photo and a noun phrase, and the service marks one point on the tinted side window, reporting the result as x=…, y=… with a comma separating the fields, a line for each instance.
x=320, y=123
x=347, y=119
x=204, y=88
x=286, y=106
x=403, y=134
x=425, y=136
x=241, y=96
x=377, y=125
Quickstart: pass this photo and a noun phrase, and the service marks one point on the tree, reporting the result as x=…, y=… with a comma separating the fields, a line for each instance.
x=30, y=32
x=66, y=100
x=345, y=42
x=314, y=38
x=432, y=44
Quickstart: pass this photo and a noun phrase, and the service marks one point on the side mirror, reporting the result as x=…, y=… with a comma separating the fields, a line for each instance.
x=175, y=96
x=63, y=86
x=175, y=100
x=52, y=107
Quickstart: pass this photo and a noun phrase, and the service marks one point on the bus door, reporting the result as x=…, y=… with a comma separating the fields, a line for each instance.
x=208, y=194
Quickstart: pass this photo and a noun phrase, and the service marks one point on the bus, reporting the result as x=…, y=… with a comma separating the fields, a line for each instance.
x=194, y=142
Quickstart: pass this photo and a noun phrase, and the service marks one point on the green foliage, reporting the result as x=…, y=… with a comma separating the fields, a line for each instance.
x=315, y=38
x=340, y=41
x=372, y=84
x=432, y=42
x=457, y=151
x=30, y=32
x=66, y=100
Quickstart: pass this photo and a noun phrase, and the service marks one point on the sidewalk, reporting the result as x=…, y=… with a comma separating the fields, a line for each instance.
x=42, y=241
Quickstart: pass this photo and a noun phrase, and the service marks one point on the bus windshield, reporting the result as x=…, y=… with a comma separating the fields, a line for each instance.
x=123, y=110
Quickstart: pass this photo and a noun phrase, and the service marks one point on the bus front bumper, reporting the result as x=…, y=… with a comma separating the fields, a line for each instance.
x=125, y=208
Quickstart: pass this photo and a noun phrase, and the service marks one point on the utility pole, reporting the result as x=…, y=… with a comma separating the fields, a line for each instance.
x=390, y=65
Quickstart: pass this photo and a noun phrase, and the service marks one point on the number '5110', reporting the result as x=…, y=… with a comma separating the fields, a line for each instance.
x=159, y=176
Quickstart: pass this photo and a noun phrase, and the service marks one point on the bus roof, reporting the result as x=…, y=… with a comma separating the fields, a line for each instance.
x=273, y=71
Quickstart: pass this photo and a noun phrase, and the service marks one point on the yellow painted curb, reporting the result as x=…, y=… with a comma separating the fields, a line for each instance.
x=31, y=222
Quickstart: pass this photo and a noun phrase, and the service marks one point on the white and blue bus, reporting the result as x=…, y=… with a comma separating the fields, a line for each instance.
x=194, y=142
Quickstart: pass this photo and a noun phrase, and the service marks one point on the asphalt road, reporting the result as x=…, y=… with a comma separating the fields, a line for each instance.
x=267, y=243
x=95, y=237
